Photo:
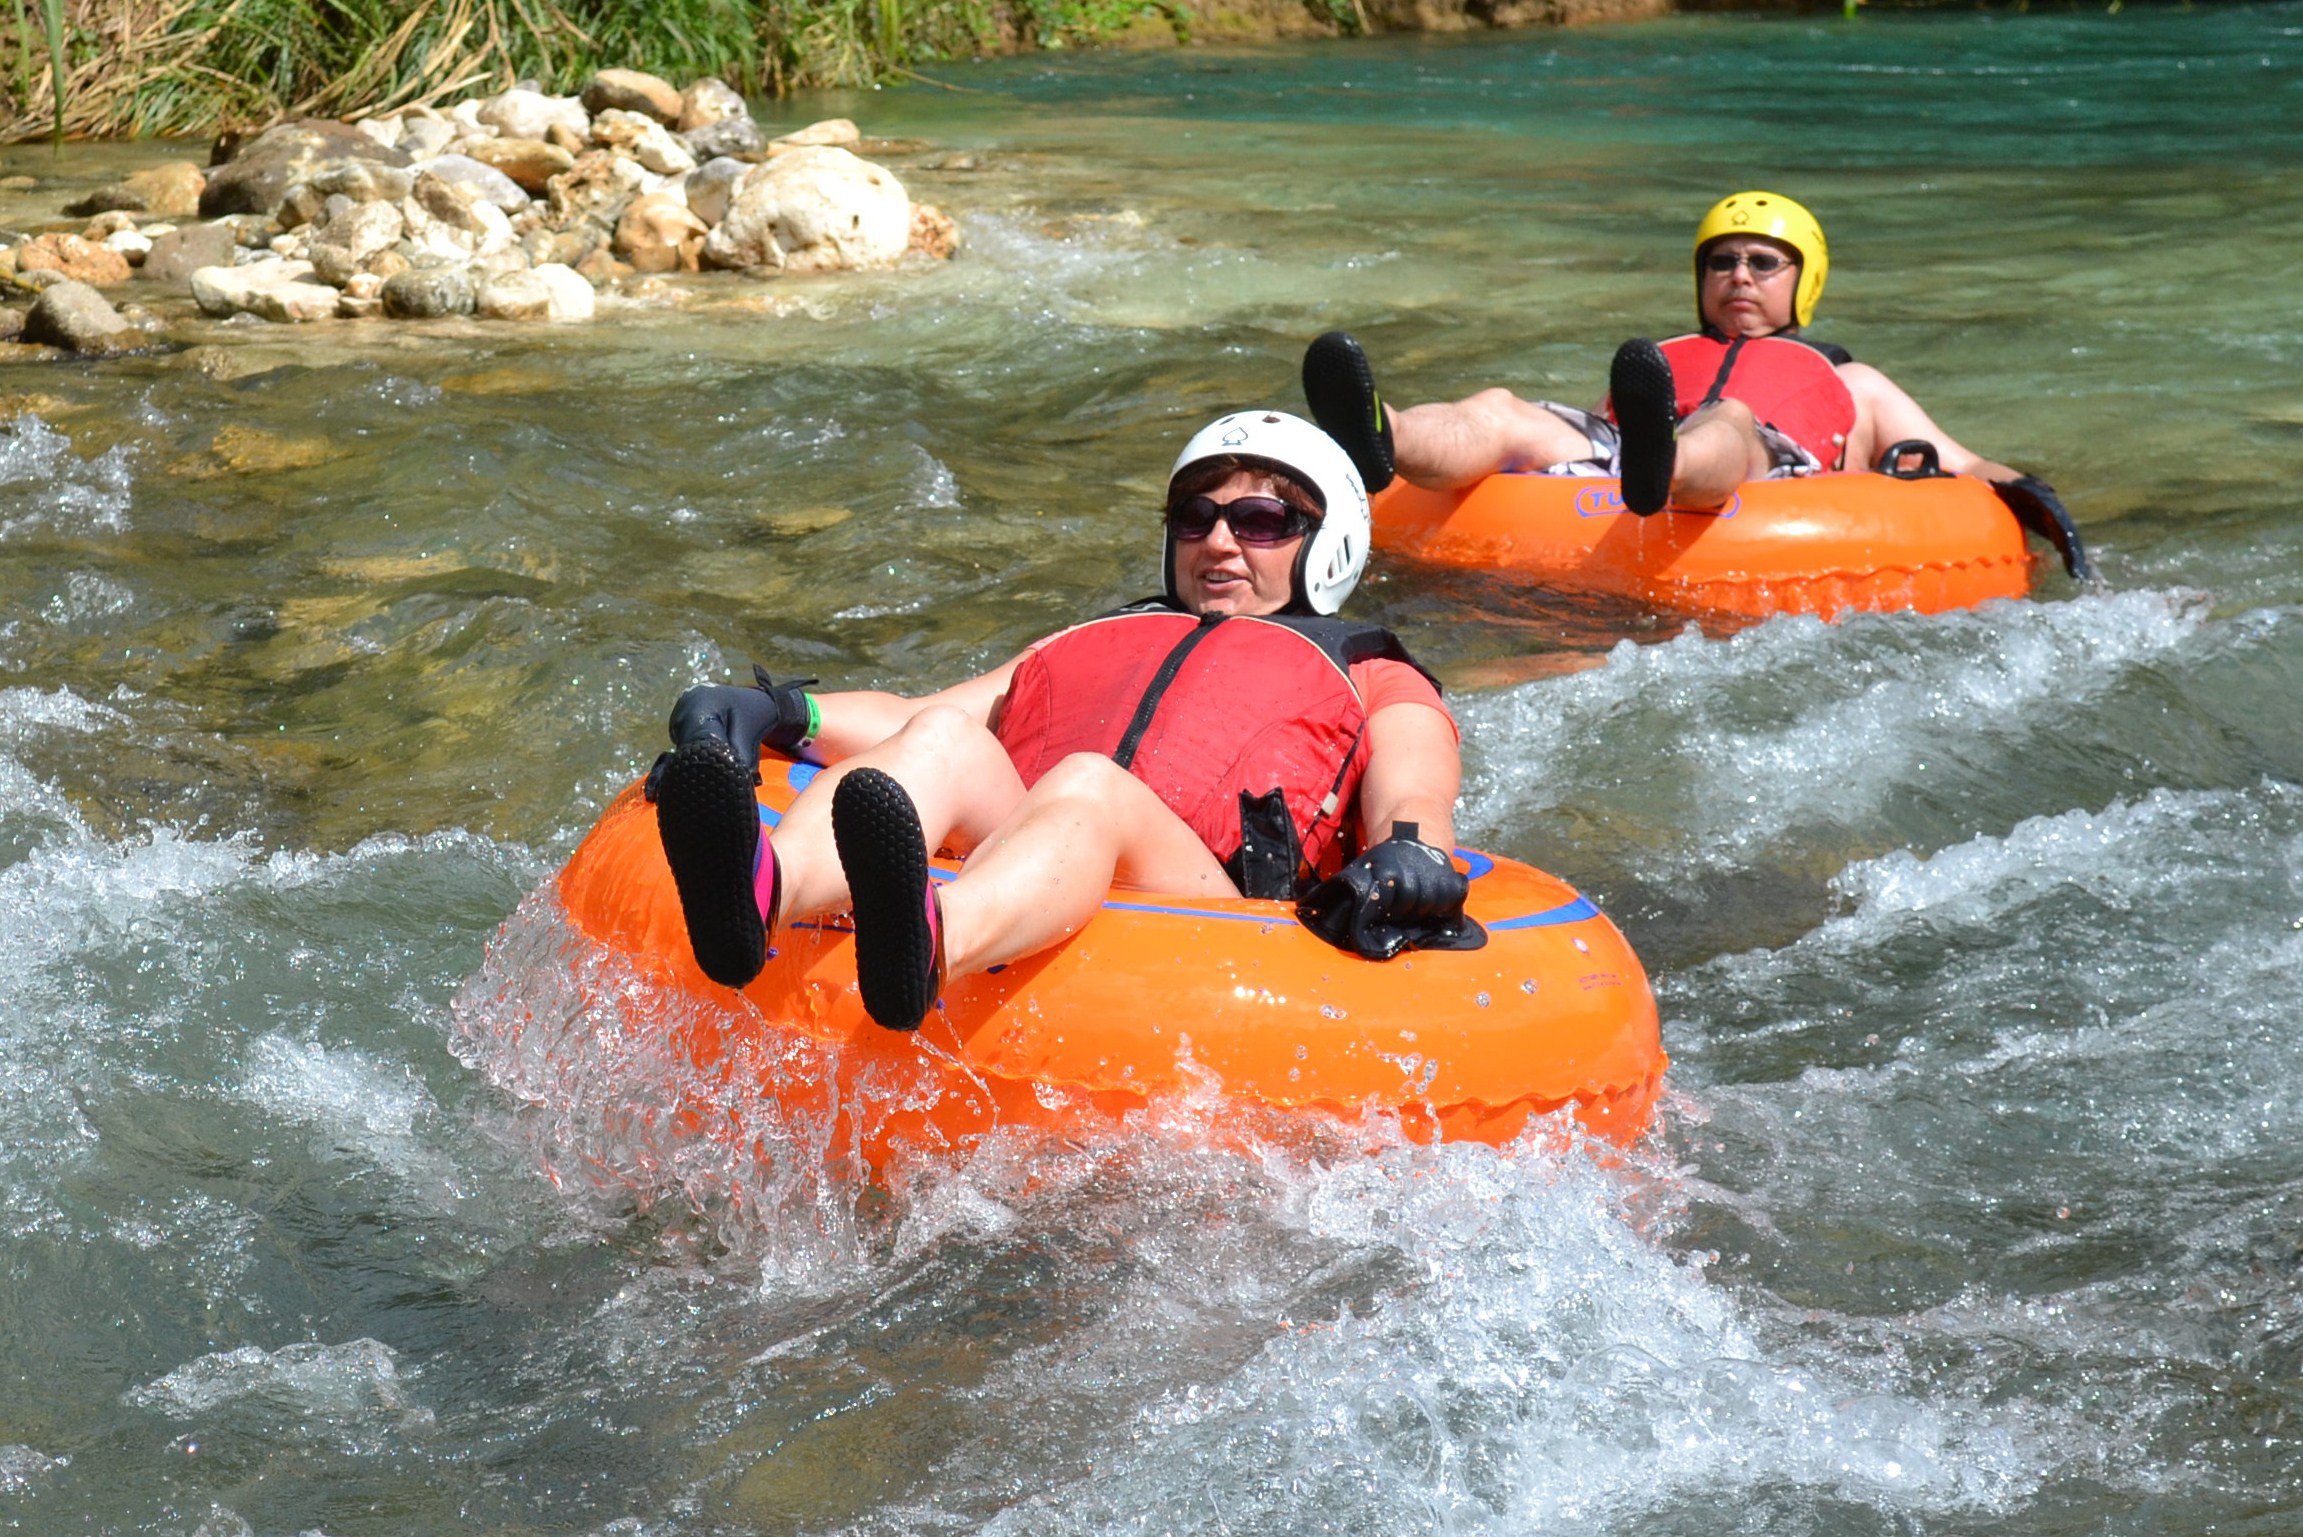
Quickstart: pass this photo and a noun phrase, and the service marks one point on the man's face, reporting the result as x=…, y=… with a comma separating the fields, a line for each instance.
x=1220, y=575
x=1742, y=302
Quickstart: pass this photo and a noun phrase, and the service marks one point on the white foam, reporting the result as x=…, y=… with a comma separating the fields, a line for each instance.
x=1734, y=742
x=1522, y=1356
x=22, y=1468
x=358, y=1380
x=44, y=485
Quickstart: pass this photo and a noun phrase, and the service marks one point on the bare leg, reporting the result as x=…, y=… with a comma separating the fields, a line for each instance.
x=1452, y=444
x=1087, y=825
x=959, y=779
x=1718, y=449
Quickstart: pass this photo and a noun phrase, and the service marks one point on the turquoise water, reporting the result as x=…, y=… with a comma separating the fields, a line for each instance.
x=1974, y=1205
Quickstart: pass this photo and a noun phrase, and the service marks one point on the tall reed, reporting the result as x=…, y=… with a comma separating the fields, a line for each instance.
x=141, y=67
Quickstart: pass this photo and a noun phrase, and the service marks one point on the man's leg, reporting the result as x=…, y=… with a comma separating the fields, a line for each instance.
x=1455, y=443
x=1718, y=450
x=1439, y=446
x=1696, y=463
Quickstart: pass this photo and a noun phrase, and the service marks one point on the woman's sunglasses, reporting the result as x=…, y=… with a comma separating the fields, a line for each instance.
x=1260, y=520
x=1763, y=264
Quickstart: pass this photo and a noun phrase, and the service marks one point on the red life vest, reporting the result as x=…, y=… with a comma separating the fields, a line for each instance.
x=1788, y=384
x=1250, y=729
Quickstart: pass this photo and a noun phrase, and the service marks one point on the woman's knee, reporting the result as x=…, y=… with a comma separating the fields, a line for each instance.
x=1089, y=778
x=943, y=729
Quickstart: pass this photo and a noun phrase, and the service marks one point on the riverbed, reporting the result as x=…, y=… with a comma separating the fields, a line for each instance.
x=1975, y=1203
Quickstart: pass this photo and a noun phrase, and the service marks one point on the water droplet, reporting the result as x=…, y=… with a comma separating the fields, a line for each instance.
x=1529, y=986
x=1482, y=1000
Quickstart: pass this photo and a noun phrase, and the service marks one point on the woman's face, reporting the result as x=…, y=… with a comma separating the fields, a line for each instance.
x=1220, y=575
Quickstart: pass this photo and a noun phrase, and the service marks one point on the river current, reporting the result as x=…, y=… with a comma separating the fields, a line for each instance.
x=1975, y=1204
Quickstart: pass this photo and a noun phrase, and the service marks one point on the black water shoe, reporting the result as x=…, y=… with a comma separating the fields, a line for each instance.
x=899, y=928
x=1340, y=389
x=710, y=823
x=1646, y=402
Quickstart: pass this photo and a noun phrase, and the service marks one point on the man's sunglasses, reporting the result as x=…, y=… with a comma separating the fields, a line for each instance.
x=1763, y=264
x=1260, y=520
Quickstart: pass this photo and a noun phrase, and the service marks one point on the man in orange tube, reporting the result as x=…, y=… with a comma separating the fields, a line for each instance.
x=1688, y=420
x=1228, y=738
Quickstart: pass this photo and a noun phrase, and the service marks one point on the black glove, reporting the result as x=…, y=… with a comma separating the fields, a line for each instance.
x=2038, y=508
x=1402, y=894
x=773, y=713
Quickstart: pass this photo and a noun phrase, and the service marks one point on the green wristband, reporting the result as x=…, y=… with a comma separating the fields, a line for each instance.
x=815, y=720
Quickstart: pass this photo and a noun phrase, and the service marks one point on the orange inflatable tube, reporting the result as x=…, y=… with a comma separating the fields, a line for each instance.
x=1815, y=544
x=1157, y=996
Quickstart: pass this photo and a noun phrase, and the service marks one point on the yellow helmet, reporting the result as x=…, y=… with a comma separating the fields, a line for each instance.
x=1778, y=218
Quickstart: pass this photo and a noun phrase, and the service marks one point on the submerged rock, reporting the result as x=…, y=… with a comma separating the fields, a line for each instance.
x=838, y=132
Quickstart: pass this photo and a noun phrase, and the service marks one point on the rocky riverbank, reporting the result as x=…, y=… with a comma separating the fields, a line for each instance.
x=512, y=206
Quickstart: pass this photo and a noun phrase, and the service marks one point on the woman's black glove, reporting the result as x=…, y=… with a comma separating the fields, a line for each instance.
x=1402, y=894
x=773, y=713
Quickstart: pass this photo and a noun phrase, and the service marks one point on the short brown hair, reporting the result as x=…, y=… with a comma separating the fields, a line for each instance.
x=1204, y=476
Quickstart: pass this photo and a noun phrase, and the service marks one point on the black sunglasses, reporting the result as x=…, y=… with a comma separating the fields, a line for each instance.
x=1259, y=520
x=1762, y=263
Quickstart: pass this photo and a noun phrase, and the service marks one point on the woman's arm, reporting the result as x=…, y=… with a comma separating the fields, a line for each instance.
x=855, y=720
x=1414, y=771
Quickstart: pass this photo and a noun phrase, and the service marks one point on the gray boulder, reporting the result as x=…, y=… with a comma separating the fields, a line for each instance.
x=259, y=176
x=481, y=180
x=346, y=243
x=182, y=251
x=75, y=316
x=364, y=182
x=737, y=136
x=427, y=293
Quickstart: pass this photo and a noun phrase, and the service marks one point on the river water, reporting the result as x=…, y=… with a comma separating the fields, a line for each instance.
x=1975, y=1204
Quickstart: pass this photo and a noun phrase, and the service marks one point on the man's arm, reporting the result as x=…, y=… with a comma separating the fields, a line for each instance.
x=1414, y=771
x=1885, y=415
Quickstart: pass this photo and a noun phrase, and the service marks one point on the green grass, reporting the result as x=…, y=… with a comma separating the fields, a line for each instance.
x=119, y=68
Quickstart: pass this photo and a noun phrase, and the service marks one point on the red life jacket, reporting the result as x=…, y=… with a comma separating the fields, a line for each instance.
x=1249, y=728
x=1789, y=385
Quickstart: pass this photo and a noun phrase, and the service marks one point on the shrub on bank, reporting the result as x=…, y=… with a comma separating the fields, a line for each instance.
x=180, y=67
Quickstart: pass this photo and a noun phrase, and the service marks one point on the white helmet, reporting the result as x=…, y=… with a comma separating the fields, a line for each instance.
x=1328, y=566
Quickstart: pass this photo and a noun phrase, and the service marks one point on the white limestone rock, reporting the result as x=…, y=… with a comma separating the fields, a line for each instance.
x=814, y=209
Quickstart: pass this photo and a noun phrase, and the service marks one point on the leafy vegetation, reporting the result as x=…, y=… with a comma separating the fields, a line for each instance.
x=105, y=68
